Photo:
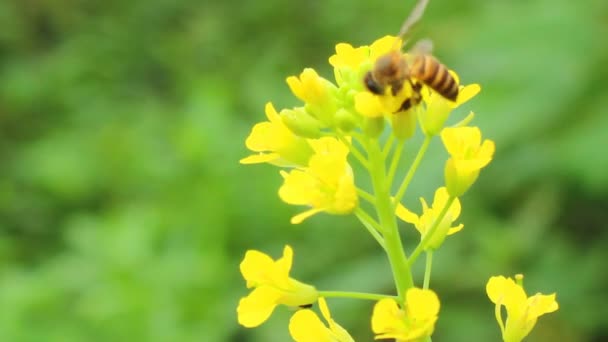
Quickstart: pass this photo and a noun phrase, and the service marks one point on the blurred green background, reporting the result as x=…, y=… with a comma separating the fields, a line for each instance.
x=124, y=212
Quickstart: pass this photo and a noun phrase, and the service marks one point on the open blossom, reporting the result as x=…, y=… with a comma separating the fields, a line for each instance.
x=522, y=311
x=305, y=326
x=327, y=184
x=413, y=321
x=429, y=215
x=468, y=155
x=271, y=286
x=439, y=108
x=275, y=143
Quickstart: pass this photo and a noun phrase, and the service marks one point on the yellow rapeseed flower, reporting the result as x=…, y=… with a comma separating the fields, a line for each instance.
x=413, y=322
x=309, y=87
x=438, y=108
x=318, y=94
x=275, y=143
x=305, y=326
x=522, y=311
x=272, y=286
x=327, y=184
x=429, y=215
x=468, y=155
x=347, y=56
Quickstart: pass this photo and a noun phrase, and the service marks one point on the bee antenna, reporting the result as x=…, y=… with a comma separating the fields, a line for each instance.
x=416, y=14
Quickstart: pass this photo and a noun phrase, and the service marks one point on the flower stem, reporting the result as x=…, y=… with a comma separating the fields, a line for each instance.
x=386, y=215
x=357, y=295
x=388, y=145
x=371, y=225
x=411, y=171
x=427, y=269
x=429, y=234
x=358, y=155
x=395, y=161
x=366, y=196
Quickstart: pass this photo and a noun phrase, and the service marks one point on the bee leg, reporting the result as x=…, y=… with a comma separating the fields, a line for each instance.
x=417, y=97
x=407, y=104
x=372, y=85
x=396, y=87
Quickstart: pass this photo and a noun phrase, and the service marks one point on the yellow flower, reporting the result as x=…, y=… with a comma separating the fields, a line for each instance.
x=372, y=105
x=439, y=108
x=309, y=87
x=429, y=215
x=272, y=286
x=318, y=94
x=468, y=155
x=327, y=184
x=416, y=320
x=305, y=326
x=383, y=46
x=275, y=143
x=522, y=311
x=347, y=56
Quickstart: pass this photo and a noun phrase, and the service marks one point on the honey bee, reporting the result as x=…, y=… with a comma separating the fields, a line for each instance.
x=394, y=69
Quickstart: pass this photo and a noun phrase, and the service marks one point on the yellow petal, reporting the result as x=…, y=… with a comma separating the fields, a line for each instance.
x=404, y=214
x=296, y=188
x=303, y=216
x=456, y=229
x=495, y=288
x=368, y=104
x=255, y=309
x=540, y=304
x=467, y=93
x=384, y=45
x=260, y=158
x=387, y=319
x=271, y=113
x=305, y=326
x=255, y=266
x=486, y=150
x=283, y=265
x=422, y=304
x=296, y=87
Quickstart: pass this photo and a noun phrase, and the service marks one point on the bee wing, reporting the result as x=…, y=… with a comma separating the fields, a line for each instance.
x=416, y=14
x=423, y=47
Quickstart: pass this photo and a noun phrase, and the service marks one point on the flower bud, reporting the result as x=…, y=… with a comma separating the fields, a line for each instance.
x=404, y=124
x=346, y=120
x=373, y=127
x=301, y=123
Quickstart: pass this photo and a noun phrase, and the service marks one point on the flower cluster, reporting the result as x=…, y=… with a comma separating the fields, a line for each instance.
x=314, y=145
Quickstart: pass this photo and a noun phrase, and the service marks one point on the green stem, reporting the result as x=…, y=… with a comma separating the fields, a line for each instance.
x=386, y=215
x=366, y=196
x=388, y=145
x=371, y=225
x=395, y=161
x=429, y=234
x=411, y=171
x=427, y=269
x=357, y=295
x=358, y=155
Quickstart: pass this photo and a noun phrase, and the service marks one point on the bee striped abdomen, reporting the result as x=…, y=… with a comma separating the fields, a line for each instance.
x=429, y=71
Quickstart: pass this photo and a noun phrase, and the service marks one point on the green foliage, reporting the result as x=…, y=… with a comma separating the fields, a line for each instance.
x=124, y=213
